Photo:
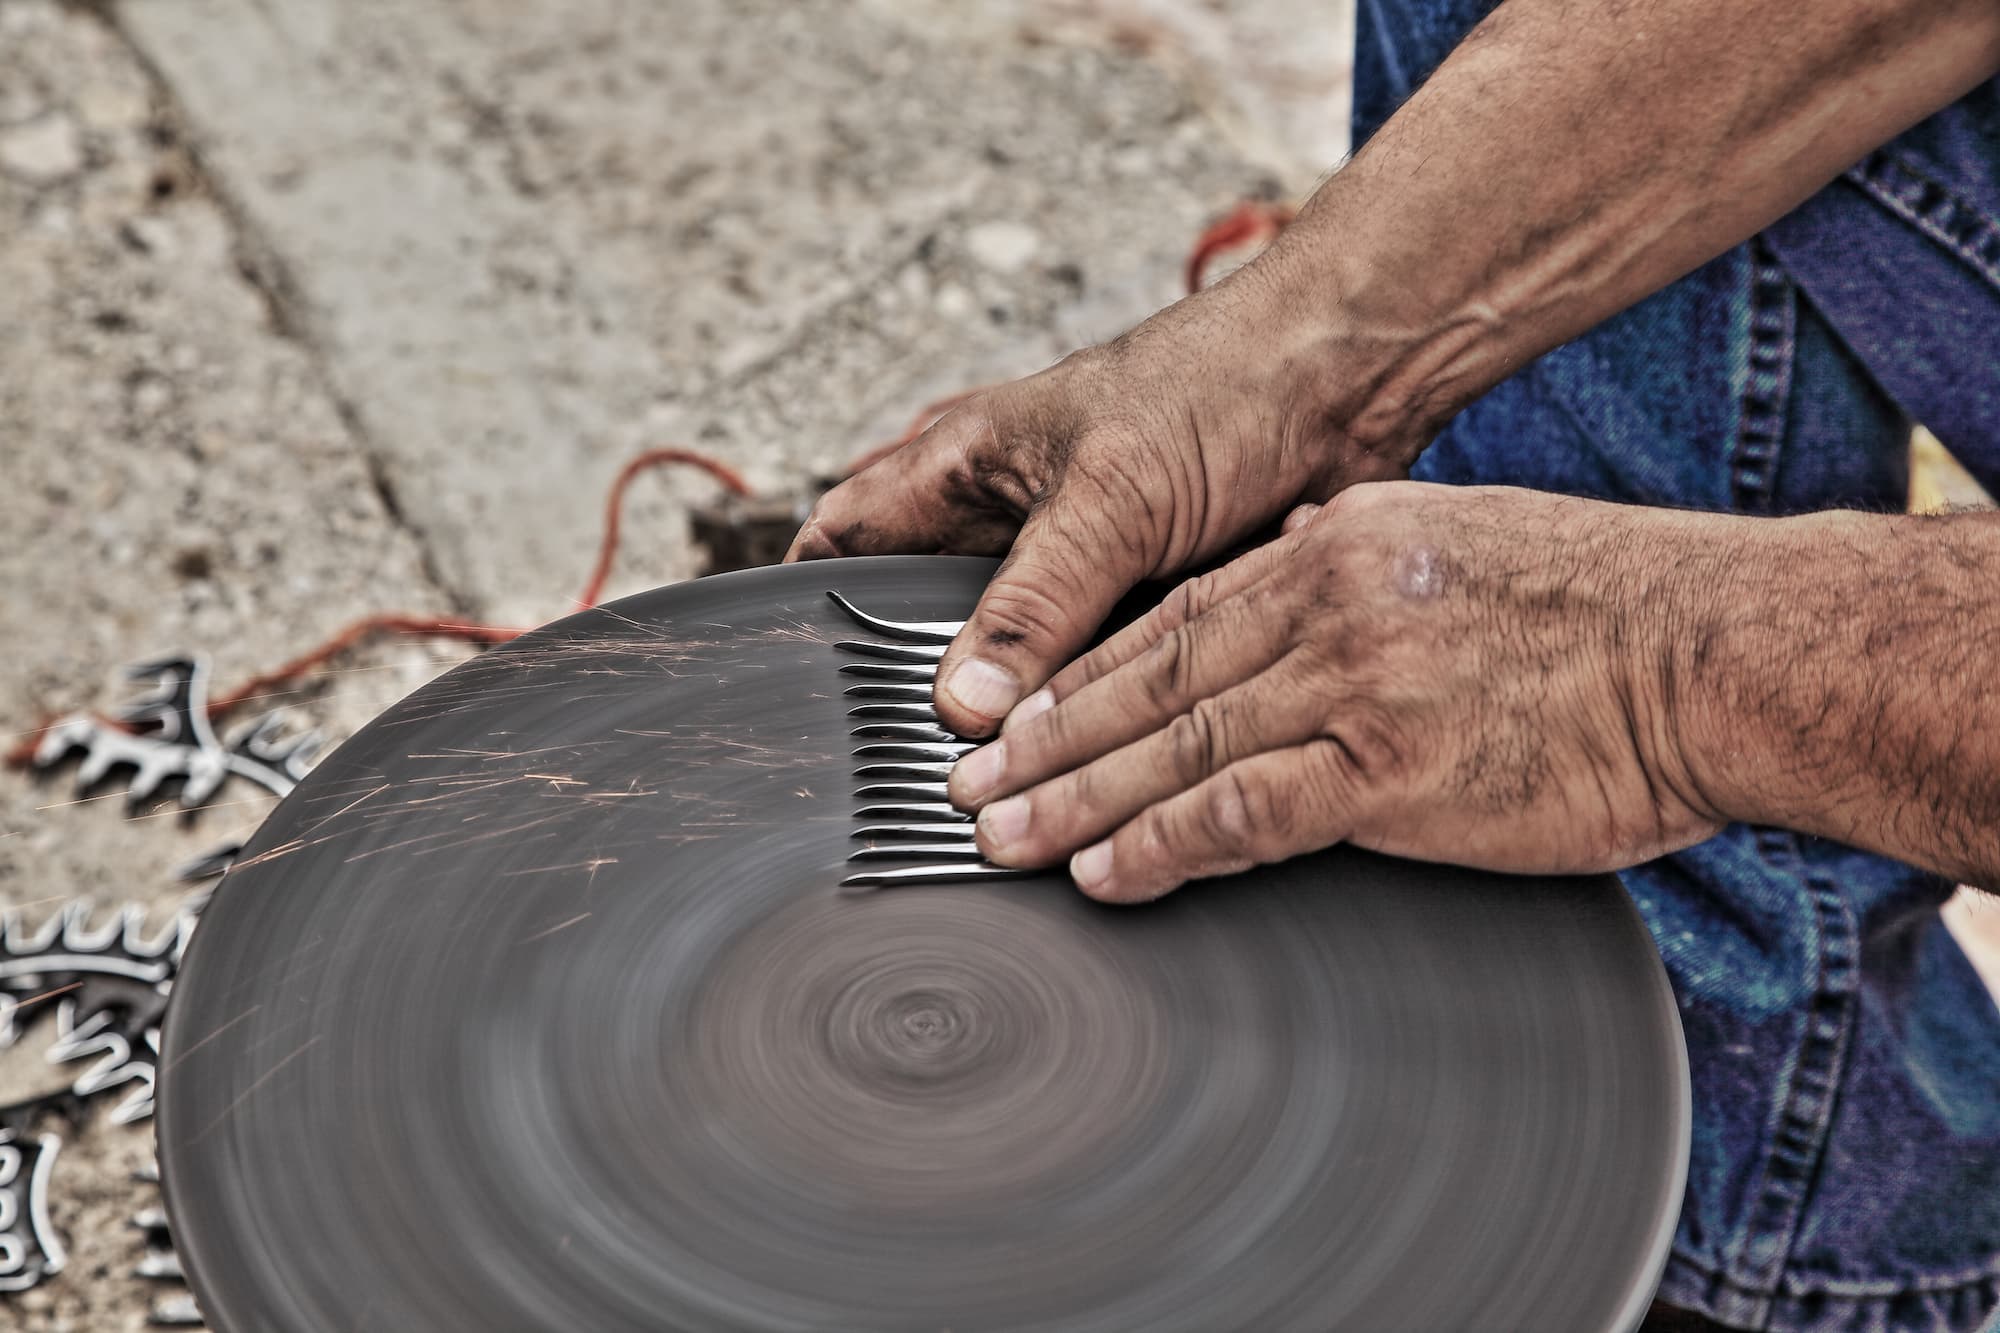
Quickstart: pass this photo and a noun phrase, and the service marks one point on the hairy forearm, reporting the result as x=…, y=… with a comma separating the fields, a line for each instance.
x=1839, y=674
x=1572, y=157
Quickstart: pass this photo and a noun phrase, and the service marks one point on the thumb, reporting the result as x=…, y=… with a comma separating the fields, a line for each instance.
x=1046, y=602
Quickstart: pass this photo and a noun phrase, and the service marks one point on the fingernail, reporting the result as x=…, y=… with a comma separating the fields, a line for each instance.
x=1091, y=867
x=1041, y=701
x=980, y=771
x=980, y=687
x=1005, y=822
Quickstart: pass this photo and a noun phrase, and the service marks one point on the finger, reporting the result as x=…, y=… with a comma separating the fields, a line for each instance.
x=1231, y=642
x=1047, y=822
x=1066, y=571
x=1264, y=809
x=1299, y=517
x=1189, y=599
x=940, y=492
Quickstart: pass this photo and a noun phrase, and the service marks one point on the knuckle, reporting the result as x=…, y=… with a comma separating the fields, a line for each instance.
x=1179, y=606
x=1375, y=747
x=1380, y=506
x=1021, y=613
x=1195, y=742
x=1353, y=502
x=1232, y=814
x=1003, y=449
x=1204, y=593
x=825, y=532
x=1335, y=773
x=1170, y=665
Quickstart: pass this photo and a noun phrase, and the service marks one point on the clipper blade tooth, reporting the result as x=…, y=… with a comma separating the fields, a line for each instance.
x=893, y=652
x=904, y=712
x=920, y=631
x=921, y=851
x=892, y=671
x=941, y=812
x=916, y=694
x=959, y=832
x=931, y=753
x=942, y=873
x=915, y=732
x=904, y=772
x=902, y=791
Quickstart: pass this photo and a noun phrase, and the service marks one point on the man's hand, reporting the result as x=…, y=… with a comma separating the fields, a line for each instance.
x=1564, y=162
x=1468, y=675
x=1125, y=462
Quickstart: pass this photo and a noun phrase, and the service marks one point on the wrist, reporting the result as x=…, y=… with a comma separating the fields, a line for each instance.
x=1387, y=353
x=1751, y=617
x=1691, y=582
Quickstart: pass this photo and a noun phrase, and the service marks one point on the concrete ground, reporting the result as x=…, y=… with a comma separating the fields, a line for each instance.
x=311, y=308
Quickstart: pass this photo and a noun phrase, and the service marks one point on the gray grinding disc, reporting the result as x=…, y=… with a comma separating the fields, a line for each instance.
x=537, y=1006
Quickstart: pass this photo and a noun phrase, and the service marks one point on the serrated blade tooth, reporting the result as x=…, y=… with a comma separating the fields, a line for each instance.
x=893, y=652
x=954, y=872
x=903, y=851
x=916, y=694
x=922, y=631
x=909, y=712
x=902, y=791
x=905, y=772
x=890, y=671
x=915, y=832
x=922, y=754
x=940, y=811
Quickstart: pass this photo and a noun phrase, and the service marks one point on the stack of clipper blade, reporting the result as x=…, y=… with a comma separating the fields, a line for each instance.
x=910, y=832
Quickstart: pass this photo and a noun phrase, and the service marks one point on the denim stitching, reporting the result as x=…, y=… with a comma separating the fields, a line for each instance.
x=1767, y=382
x=1797, y=1147
x=1695, y=1285
x=1935, y=209
x=1933, y=1284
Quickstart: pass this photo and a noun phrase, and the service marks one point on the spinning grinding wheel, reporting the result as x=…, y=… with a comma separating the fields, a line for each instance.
x=537, y=1006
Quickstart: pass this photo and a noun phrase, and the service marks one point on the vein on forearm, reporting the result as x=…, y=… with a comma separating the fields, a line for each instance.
x=1570, y=158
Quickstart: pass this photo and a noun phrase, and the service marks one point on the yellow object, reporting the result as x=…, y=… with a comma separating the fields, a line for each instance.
x=1937, y=481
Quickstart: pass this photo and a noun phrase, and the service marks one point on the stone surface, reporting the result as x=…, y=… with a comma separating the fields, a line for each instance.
x=42, y=151
x=1273, y=75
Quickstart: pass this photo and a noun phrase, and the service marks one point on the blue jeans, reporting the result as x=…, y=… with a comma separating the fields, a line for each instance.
x=1846, y=1058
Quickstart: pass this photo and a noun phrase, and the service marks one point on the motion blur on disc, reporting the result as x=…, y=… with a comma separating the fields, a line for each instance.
x=539, y=1006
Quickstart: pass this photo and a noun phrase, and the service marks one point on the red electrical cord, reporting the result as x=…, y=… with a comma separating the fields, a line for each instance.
x=1252, y=222
x=1248, y=223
